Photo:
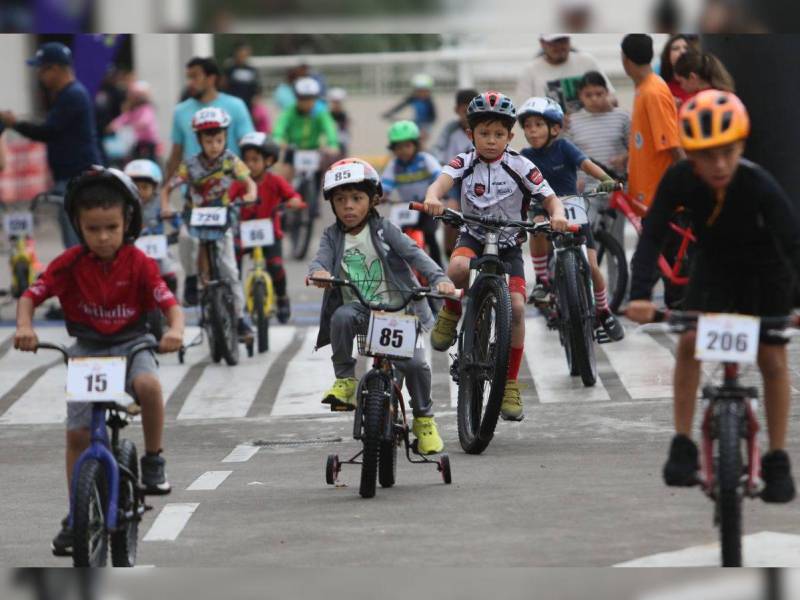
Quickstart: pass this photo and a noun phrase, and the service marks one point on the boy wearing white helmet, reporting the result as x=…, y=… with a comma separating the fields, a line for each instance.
x=378, y=257
x=421, y=102
x=336, y=98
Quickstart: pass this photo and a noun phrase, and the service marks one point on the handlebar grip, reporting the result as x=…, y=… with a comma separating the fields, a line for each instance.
x=573, y=228
x=419, y=206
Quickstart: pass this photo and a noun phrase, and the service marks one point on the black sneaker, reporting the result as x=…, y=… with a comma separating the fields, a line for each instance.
x=284, y=309
x=62, y=543
x=190, y=291
x=540, y=295
x=154, y=479
x=244, y=329
x=776, y=471
x=682, y=466
x=611, y=325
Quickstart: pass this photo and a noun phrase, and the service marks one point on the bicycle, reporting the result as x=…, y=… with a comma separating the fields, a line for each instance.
x=23, y=262
x=155, y=246
x=299, y=224
x=380, y=421
x=106, y=499
x=485, y=336
x=218, y=319
x=729, y=413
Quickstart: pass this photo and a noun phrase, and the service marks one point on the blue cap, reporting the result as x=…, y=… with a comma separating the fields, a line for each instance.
x=51, y=53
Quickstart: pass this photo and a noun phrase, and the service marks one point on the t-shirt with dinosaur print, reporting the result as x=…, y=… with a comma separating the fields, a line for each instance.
x=362, y=266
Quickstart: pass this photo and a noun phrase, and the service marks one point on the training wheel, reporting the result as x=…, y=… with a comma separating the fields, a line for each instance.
x=332, y=469
x=444, y=468
x=414, y=446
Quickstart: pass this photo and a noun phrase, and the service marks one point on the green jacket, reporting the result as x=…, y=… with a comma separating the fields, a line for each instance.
x=304, y=131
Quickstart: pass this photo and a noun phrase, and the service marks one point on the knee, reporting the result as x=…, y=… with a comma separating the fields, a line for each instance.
x=686, y=345
x=147, y=388
x=341, y=318
x=772, y=361
x=517, y=309
x=458, y=272
x=78, y=439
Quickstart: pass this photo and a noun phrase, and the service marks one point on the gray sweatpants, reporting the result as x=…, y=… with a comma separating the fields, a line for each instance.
x=352, y=318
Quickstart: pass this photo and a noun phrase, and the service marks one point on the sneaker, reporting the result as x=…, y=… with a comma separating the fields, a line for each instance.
x=190, y=291
x=682, y=465
x=445, y=330
x=342, y=396
x=611, y=325
x=511, y=408
x=776, y=471
x=540, y=294
x=243, y=328
x=284, y=309
x=154, y=478
x=62, y=543
x=428, y=439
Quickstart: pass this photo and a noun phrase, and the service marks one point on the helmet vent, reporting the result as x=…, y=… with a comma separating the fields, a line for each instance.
x=726, y=120
x=687, y=128
x=705, y=123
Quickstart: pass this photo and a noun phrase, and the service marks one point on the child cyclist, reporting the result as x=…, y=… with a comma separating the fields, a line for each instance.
x=210, y=176
x=410, y=172
x=147, y=176
x=541, y=119
x=259, y=154
x=106, y=285
x=494, y=180
x=375, y=255
x=747, y=260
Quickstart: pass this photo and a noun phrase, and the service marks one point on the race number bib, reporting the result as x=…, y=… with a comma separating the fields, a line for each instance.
x=393, y=334
x=18, y=224
x=575, y=208
x=258, y=232
x=154, y=246
x=209, y=216
x=96, y=379
x=727, y=338
x=306, y=161
x=343, y=174
x=402, y=216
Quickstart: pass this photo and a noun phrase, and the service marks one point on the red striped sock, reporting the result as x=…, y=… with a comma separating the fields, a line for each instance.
x=540, y=267
x=454, y=306
x=514, y=362
x=601, y=300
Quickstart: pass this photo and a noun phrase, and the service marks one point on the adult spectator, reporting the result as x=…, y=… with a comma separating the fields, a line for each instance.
x=697, y=71
x=676, y=46
x=69, y=127
x=241, y=78
x=555, y=72
x=654, y=145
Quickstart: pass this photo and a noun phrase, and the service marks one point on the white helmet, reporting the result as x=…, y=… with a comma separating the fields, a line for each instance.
x=337, y=94
x=144, y=169
x=307, y=87
x=543, y=106
x=210, y=117
x=422, y=81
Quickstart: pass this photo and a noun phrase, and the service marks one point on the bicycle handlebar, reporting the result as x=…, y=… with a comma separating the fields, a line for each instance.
x=140, y=347
x=416, y=293
x=458, y=218
x=676, y=321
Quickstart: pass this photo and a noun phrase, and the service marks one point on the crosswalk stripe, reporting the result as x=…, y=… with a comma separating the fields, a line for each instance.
x=644, y=366
x=208, y=481
x=228, y=392
x=170, y=522
x=308, y=376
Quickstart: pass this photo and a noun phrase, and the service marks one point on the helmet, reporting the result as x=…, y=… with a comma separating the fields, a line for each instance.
x=713, y=118
x=337, y=94
x=210, y=117
x=493, y=103
x=144, y=169
x=307, y=87
x=115, y=178
x=422, y=81
x=261, y=142
x=349, y=171
x=545, y=107
x=403, y=131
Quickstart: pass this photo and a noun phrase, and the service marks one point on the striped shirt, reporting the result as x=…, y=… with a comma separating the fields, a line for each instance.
x=602, y=136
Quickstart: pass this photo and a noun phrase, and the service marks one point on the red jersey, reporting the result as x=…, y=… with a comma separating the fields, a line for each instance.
x=104, y=302
x=272, y=191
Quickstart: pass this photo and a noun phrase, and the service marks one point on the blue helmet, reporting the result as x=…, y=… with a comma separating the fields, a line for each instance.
x=545, y=107
x=144, y=169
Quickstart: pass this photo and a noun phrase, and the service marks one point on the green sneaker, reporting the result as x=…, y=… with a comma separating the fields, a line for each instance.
x=445, y=330
x=428, y=439
x=342, y=396
x=511, y=409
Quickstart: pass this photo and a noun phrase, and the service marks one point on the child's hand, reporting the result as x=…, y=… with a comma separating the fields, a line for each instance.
x=446, y=287
x=25, y=339
x=433, y=206
x=559, y=223
x=295, y=203
x=171, y=341
x=321, y=275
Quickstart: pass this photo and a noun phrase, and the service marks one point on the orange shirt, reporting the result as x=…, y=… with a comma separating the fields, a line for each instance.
x=654, y=131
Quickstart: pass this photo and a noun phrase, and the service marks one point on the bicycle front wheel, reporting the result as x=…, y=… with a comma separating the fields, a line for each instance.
x=225, y=338
x=90, y=536
x=574, y=296
x=729, y=474
x=301, y=222
x=483, y=363
x=373, y=418
x=260, y=317
x=614, y=265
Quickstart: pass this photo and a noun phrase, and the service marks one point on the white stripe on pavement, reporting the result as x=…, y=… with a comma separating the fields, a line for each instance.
x=241, y=453
x=308, y=376
x=170, y=522
x=643, y=365
x=228, y=392
x=548, y=365
x=210, y=480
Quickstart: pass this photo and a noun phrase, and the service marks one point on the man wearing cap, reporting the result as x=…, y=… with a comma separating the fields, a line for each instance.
x=654, y=145
x=69, y=128
x=555, y=72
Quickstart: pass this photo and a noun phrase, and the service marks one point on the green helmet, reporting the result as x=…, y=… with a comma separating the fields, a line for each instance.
x=403, y=131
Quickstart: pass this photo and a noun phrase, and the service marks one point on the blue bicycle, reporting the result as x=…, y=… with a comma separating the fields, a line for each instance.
x=106, y=499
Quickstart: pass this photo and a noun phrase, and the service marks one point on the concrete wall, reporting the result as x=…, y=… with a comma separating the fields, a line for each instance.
x=17, y=77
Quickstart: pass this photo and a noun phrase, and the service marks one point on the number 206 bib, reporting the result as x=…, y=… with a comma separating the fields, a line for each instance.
x=727, y=338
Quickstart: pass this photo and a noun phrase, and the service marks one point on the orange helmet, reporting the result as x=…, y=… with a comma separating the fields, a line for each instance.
x=712, y=118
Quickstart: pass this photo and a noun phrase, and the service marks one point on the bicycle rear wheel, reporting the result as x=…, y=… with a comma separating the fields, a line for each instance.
x=580, y=323
x=729, y=474
x=483, y=363
x=614, y=265
x=90, y=536
x=224, y=338
x=373, y=419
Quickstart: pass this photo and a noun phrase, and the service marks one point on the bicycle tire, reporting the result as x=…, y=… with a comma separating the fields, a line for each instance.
x=22, y=274
x=125, y=539
x=373, y=419
x=729, y=472
x=261, y=319
x=387, y=457
x=302, y=223
x=609, y=249
x=476, y=431
x=579, y=322
x=209, y=320
x=90, y=536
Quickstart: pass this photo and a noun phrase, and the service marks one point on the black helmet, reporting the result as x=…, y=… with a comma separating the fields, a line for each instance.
x=261, y=142
x=116, y=179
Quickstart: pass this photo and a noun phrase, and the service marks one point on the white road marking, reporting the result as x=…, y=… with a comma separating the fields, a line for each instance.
x=170, y=522
x=643, y=365
x=210, y=480
x=734, y=586
x=170, y=371
x=228, y=392
x=308, y=376
x=241, y=453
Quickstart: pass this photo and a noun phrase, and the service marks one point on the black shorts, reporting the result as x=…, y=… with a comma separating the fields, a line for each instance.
x=762, y=290
x=512, y=256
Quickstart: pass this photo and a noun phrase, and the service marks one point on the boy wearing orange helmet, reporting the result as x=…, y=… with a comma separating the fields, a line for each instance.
x=748, y=254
